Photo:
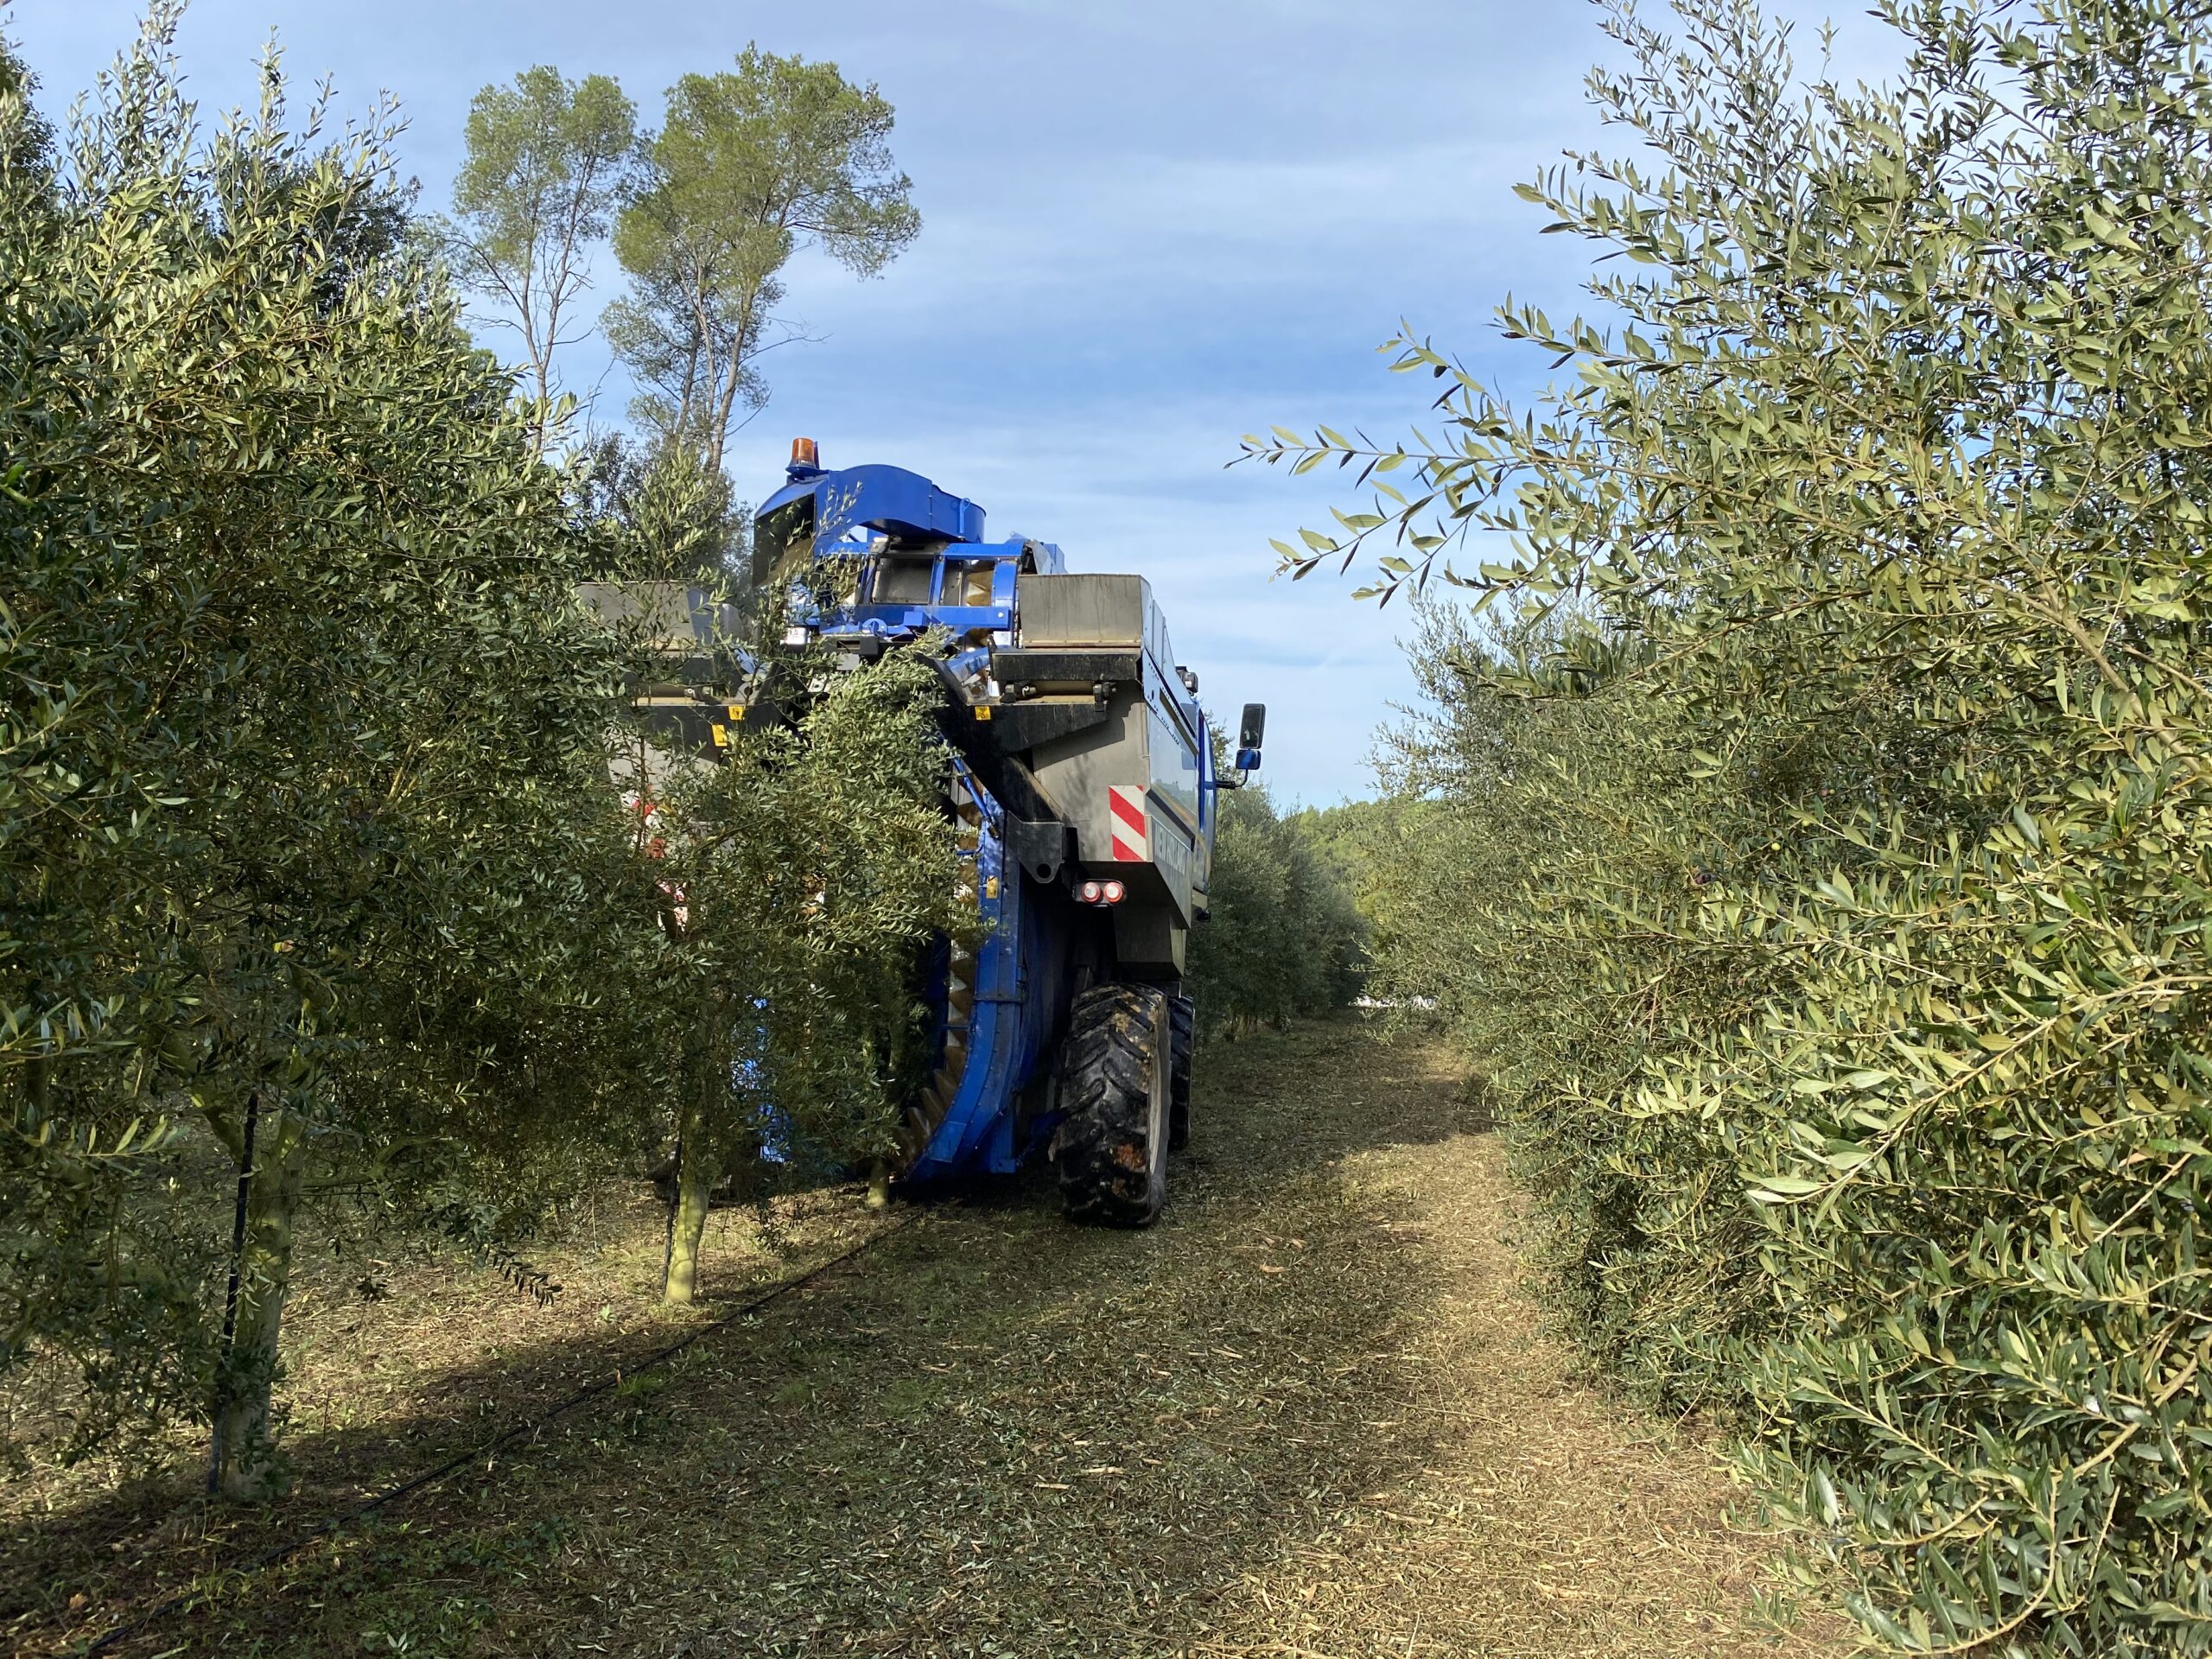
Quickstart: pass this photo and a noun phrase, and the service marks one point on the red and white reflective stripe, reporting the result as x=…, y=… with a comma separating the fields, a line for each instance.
x=1125, y=814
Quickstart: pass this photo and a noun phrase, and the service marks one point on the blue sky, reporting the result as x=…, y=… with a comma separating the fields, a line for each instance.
x=1148, y=229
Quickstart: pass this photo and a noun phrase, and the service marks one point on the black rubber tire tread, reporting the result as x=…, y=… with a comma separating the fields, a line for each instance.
x=1183, y=1016
x=1112, y=1173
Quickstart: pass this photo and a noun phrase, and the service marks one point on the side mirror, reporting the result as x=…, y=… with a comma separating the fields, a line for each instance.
x=1251, y=733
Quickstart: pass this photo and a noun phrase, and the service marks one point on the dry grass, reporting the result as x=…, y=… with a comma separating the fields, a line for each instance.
x=1306, y=1415
x=375, y=1391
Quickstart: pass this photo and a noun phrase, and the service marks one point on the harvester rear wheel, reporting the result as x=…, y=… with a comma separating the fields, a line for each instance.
x=1183, y=1016
x=1111, y=1146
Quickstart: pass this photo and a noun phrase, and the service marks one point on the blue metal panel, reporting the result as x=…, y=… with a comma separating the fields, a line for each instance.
x=901, y=620
x=1207, y=788
x=888, y=498
x=1006, y=1029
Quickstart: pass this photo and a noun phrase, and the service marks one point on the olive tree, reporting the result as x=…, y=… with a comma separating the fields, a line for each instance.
x=1283, y=936
x=664, y=515
x=297, y=695
x=1873, y=524
x=803, y=882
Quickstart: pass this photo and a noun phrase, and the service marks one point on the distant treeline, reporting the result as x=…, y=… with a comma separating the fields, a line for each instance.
x=1286, y=938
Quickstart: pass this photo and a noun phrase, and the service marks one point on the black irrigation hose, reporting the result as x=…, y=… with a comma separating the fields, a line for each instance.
x=285, y=1551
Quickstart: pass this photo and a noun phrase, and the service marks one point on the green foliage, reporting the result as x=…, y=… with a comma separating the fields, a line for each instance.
x=547, y=163
x=1283, y=937
x=1536, y=882
x=802, y=880
x=816, y=867
x=751, y=165
x=1817, y=835
x=305, y=830
x=29, y=139
x=1355, y=838
x=667, y=515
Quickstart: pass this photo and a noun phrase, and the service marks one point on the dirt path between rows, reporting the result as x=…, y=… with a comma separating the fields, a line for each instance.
x=1307, y=1414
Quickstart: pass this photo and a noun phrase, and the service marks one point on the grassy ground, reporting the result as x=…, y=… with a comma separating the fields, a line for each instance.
x=1308, y=1414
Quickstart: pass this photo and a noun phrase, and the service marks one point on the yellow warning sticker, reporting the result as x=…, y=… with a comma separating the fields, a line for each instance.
x=722, y=736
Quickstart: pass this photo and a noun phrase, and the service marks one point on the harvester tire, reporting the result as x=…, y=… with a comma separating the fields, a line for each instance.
x=1183, y=1015
x=1111, y=1146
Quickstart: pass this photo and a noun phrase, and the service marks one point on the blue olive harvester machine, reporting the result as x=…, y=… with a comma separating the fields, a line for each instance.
x=1082, y=798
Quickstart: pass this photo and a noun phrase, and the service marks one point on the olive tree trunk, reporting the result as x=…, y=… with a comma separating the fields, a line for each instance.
x=272, y=1162
x=698, y=1167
